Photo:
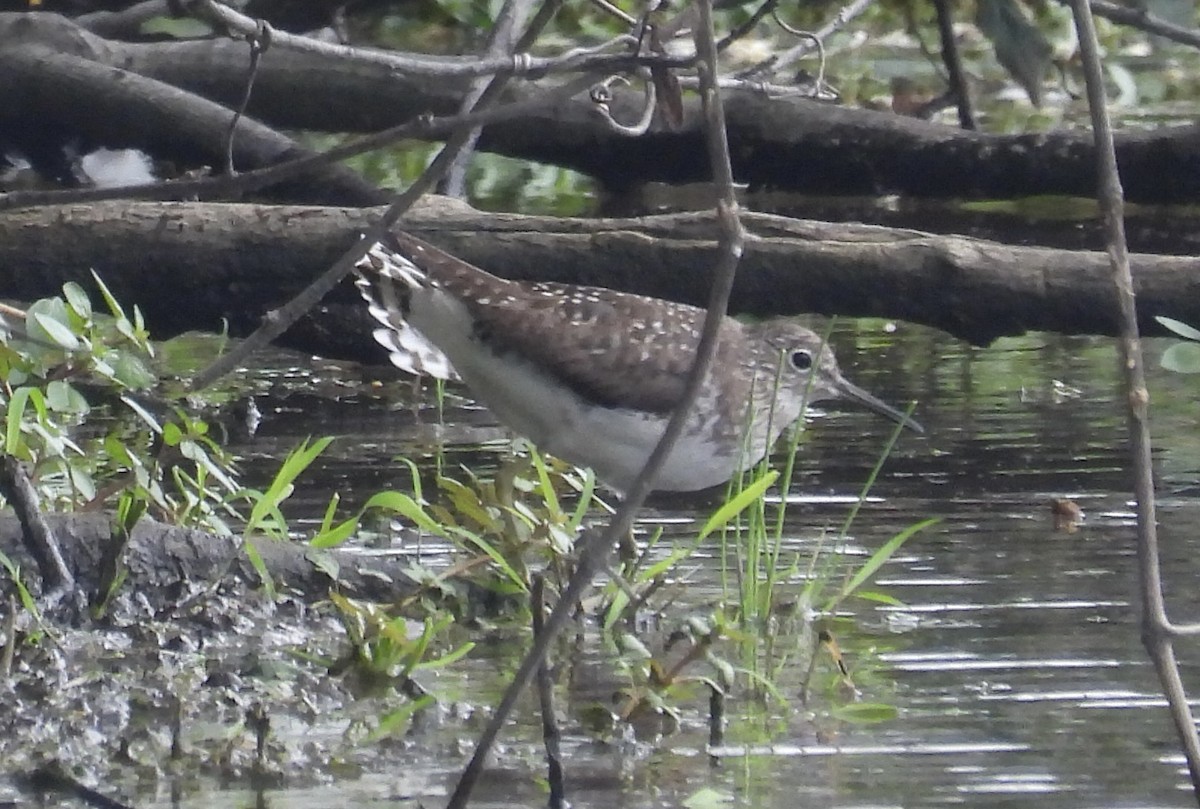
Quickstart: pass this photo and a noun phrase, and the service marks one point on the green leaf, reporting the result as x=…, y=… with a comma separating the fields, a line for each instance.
x=730, y=509
x=21, y=397
x=109, y=299
x=260, y=567
x=335, y=535
x=130, y=509
x=395, y=720
x=546, y=487
x=416, y=475
x=616, y=609
x=1179, y=327
x=27, y=600
x=77, y=299
x=129, y=370
x=265, y=517
x=586, y=492
x=406, y=507
x=877, y=560
x=330, y=535
x=1182, y=358
x=448, y=659
x=126, y=330
x=497, y=557
x=118, y=452
x=58, y=333
x=146, y=416
x=467, y=503
x=61, y=397
x=82, y=481
x=323, y=562
x=282, y=485
x=879, y=598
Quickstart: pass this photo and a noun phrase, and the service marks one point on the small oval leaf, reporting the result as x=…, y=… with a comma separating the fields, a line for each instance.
x=58, y=333
x=1182, y=358
x=1179, y=327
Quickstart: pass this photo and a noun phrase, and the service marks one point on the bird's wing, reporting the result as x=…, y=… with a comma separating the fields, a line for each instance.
x=610, y=347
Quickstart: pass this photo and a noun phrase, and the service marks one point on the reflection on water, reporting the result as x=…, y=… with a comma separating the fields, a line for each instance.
x=1015, y=656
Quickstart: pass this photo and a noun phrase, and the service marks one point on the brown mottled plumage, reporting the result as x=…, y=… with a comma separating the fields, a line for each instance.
x=591, y=374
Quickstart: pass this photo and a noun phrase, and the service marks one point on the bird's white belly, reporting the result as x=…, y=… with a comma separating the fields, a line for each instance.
x=612, y=441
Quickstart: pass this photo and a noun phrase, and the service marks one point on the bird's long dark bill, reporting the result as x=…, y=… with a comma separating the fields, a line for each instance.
x=856, y=394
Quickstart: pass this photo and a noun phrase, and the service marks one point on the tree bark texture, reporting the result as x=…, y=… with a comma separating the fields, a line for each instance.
x=776, y=142
x=160, y=558
x=194, y=265
x=51, y=97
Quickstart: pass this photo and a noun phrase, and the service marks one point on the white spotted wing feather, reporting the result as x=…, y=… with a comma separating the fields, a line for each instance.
x=386, y=281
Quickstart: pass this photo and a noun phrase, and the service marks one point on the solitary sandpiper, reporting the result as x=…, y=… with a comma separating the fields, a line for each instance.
x=591, y=375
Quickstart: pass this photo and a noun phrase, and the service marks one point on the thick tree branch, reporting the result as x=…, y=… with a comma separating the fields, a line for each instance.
x=190, y=265
x=159, y=556
x=48, y=97
x=778, y=142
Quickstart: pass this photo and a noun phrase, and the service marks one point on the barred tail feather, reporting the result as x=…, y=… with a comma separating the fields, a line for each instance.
x=386, y=280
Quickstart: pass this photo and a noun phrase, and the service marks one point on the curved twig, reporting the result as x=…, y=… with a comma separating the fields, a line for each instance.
x=260, y=43
x=788, y=57
x=601, y=95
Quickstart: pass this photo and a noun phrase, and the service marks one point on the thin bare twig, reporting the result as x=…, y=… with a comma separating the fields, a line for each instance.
x=953, y=62
x=249, y=181
x=551, y=735
x=518, y=64
x=594, y=548
x=1137, y=16
x=792, y=55
x=10, y=639
x=818, y=45
x=745, y=28
x=279, y=320
x=260, y=42
x=612, y=10
x=1156, y=628
x=502, y=42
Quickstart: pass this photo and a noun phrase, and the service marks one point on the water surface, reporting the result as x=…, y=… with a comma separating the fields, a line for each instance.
x=1014, y=660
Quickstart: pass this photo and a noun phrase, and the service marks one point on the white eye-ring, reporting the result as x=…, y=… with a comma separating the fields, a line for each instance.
x=801, y=359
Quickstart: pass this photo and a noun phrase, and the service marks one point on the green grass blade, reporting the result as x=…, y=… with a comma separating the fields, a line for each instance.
x=260, y=567
x=406, y=507
x=739, y=503
x=877, y=560
x=545, y=486
x=883, y=456
x=493, y=553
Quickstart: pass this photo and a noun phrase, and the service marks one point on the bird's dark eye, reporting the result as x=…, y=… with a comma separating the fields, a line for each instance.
x=802, y=359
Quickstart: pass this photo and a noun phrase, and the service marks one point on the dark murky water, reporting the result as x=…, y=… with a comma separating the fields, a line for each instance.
x=1014, y=661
